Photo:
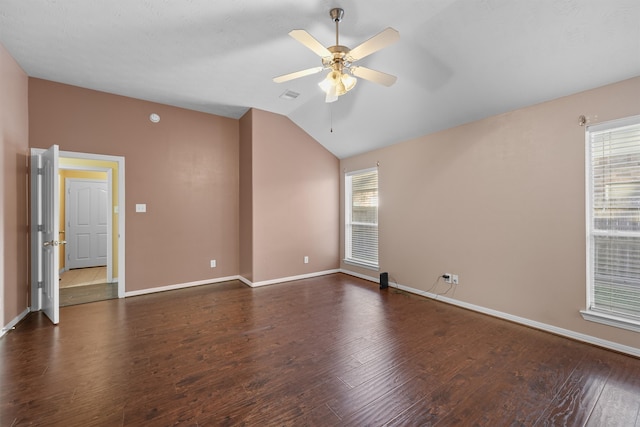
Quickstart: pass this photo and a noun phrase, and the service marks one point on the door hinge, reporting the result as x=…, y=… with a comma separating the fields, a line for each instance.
x=40, y=284
x=40, y=227
x=40, y=171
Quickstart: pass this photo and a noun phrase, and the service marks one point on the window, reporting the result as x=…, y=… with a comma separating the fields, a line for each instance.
x=361, y=218
x=613, y=224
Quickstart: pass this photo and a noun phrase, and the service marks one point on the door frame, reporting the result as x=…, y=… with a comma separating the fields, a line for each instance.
x=36, y=301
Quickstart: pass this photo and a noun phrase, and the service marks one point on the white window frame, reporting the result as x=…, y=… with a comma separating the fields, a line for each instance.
x=348, y=222
x=594, y=315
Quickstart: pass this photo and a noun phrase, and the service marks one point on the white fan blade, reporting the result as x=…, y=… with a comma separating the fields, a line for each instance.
x=381, y=40
x=374, y=76
x=310, y=42
x=297, y=74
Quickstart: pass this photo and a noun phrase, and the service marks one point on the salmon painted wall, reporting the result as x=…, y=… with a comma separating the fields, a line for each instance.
x=295, y=200
x=501, y=203
x=184, y=168
x=14, y=140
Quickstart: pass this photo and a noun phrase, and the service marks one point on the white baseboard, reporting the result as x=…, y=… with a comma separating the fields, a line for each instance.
x=180, y=286
x=633, y=351
x=287, y=279
x=245, y=281
x=226, y=279
x=361, y=276
x=14, y=322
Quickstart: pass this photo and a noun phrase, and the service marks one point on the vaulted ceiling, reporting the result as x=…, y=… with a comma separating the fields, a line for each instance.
x=456, y=61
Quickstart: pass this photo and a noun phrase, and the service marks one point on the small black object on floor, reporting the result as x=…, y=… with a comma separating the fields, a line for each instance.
x=384, y=280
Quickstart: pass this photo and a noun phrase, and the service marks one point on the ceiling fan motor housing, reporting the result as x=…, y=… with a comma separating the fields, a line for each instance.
x=339, y=58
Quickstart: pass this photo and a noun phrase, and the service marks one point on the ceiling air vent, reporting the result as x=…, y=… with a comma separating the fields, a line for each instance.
x=289, y=95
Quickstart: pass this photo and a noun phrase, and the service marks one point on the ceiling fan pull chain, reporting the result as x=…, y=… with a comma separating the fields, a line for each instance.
x=331, y=117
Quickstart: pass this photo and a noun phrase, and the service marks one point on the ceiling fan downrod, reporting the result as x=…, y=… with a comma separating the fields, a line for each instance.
x=336, y=14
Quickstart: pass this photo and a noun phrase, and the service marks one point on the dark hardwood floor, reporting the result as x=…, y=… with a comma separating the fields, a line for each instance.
x=328, y=351
x=88, y=293
x=83, y=285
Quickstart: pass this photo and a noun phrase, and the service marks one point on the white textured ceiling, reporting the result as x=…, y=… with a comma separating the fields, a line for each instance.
x=456, y=61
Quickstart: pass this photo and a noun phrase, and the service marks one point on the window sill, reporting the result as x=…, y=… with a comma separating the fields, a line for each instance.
x=361, y=264
x=610, y=320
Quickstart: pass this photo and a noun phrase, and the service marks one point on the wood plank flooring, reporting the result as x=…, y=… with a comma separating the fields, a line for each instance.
x=327, y=351
x=88, y=293
x=83, y=276
x=83, y=285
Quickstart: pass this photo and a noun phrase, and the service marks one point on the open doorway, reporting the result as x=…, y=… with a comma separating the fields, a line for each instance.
x=89, y=225
x=86, y=226
x=48, y=237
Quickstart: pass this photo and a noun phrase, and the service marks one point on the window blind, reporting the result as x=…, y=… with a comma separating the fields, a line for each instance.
x=615, y=221
x=361, y=240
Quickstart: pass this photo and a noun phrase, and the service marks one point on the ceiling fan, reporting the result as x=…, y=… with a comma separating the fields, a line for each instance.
x=340, y=60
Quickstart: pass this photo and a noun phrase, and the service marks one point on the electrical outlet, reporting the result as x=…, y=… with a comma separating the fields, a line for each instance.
x=455, y=279
x=306, y=260
x=213, y=263
x=447, y=277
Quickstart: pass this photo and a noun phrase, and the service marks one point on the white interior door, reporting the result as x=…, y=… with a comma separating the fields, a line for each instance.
x=49, y=226
x=87, y=211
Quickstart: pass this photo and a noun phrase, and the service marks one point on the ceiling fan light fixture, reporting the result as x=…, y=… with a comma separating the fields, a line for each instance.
x=329, y=86
x=336, y=84
x=329, y=81
x=340, y=89
x=331, y=96
x=348, y=81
